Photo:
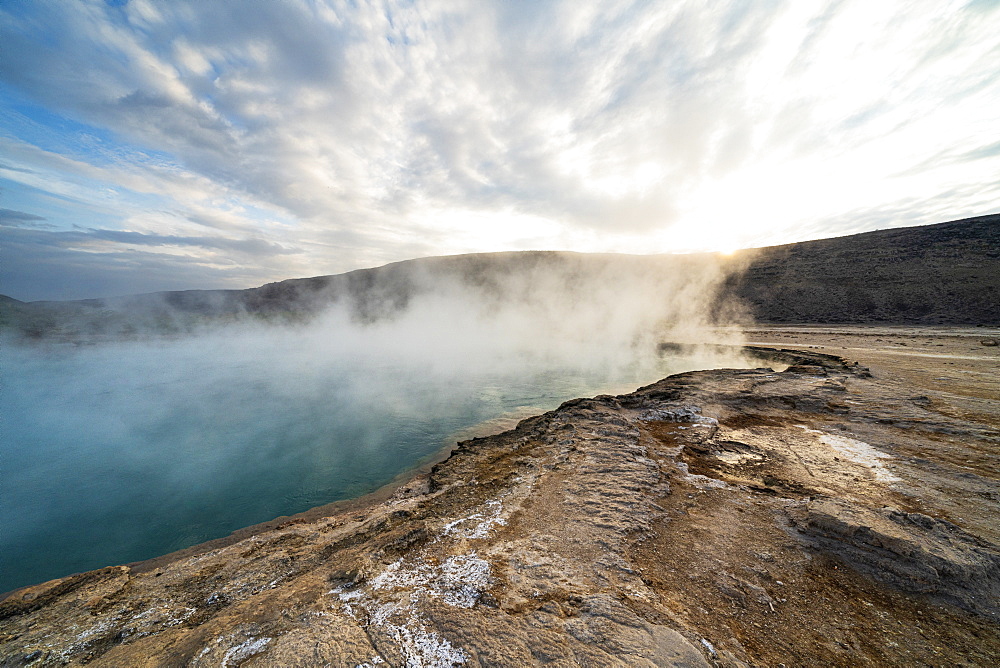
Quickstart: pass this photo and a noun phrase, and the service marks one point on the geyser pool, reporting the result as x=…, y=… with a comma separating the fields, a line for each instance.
x=118, y=453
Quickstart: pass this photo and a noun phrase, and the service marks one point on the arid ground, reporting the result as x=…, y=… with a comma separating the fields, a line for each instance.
x=837, y=509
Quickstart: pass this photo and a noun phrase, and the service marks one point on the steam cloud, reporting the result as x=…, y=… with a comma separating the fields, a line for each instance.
x=127, y=449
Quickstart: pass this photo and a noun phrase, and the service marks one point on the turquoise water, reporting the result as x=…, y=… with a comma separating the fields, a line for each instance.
x=117, y=453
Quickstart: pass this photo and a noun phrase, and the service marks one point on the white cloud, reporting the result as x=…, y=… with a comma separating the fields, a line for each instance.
x=360, y=133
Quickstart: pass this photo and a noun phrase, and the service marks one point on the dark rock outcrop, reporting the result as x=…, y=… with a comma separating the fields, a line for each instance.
x=911, y=551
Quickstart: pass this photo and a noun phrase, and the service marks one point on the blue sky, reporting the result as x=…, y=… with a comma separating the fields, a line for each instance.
x=170, y=145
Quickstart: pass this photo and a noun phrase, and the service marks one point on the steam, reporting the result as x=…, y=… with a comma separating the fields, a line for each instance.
x=127, y=449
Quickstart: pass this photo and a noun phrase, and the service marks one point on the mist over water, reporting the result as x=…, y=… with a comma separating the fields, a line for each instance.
x=124, y=451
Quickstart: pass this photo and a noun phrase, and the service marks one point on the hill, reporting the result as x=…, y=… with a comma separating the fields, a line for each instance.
x=948, y=273
x=540, y=280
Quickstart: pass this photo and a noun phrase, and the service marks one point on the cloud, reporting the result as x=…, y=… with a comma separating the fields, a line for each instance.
x=344, y=128
x=983, y=153
x=12, y=168
x=37, y=262
x=12, y=218
x=254, y=247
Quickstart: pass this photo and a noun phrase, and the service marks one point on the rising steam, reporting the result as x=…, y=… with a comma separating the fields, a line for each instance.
x=181, y=418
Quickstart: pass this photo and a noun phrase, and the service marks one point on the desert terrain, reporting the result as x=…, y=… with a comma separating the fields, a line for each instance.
x=836, y=506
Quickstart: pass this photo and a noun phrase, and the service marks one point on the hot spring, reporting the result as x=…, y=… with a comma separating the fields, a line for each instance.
x=119, y=452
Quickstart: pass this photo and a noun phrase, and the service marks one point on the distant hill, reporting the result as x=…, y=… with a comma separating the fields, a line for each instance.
x=947, y=273
x=533, y=278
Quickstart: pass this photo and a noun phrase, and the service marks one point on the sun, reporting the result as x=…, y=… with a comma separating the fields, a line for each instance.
x=728, y=251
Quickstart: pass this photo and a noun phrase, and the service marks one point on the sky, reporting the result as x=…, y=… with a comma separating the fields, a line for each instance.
x=152, y=146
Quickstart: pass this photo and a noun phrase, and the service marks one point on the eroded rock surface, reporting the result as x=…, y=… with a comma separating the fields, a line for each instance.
x=732, y=517
x=910, y=551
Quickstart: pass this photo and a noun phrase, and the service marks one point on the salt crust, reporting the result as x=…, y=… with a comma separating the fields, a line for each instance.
x=390, y=601
x=858, y=452
x=488, y=520
x=244, y=651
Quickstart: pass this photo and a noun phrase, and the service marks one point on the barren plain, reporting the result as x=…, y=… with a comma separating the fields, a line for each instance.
x=837, y=506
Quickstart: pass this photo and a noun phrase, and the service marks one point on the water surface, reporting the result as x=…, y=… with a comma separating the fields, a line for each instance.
x=117, y=453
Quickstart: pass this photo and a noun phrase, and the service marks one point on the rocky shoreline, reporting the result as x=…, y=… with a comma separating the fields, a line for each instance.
x=813, y=516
